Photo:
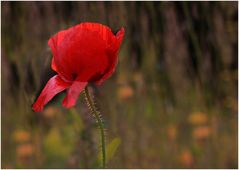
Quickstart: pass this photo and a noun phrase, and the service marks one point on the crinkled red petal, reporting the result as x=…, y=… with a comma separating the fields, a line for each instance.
x=56, y=40
x=112, y=52
x=53, y=65
x=82, y=54
x=72, y=94
x=104, y=31
x=54, y=86
x=54, y=43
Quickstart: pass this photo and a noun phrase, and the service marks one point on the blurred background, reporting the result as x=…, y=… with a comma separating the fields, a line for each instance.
x=172, y=102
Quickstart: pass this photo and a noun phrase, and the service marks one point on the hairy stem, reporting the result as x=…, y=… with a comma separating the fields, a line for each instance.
x=96, y=114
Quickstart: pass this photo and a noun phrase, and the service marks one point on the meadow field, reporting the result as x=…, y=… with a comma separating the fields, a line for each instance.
x=172, y=101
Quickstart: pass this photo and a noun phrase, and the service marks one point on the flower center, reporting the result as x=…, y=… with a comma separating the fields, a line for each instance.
x=74, y=76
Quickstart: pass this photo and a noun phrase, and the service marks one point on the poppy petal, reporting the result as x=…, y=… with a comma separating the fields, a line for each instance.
x=54, y=43
x=113, y=51
x=53, y=65
x=82, y=53
x=119, y=37
x=104, y=31
x=56, y=40
x=54, y=86
x=72, y=94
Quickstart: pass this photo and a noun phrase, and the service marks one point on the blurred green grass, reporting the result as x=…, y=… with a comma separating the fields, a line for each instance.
x=172, y=101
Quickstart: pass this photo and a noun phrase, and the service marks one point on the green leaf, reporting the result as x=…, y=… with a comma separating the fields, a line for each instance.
x=111, y=149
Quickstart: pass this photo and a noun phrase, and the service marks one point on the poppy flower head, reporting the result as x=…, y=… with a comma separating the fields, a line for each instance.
x=85, y=53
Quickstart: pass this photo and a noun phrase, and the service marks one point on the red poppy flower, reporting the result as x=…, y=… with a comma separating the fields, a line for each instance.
x=85, y=53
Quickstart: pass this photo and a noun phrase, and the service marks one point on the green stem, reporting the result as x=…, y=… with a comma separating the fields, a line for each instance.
x=96, y=114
